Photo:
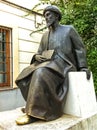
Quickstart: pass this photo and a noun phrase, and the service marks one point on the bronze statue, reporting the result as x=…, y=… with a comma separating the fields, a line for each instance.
x=44, y=83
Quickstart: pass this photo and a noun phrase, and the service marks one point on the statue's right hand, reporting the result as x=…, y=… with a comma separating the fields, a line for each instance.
x=40, y=58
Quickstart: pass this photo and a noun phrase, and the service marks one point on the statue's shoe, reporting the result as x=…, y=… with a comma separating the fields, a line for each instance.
x=25, y=119
x=23, y=109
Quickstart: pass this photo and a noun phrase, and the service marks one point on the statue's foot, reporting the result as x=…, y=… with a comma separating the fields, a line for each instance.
x=25, y=119
x=23, y=109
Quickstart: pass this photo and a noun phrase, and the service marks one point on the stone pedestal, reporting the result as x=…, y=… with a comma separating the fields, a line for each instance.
x=81, y=99
x=66, y=122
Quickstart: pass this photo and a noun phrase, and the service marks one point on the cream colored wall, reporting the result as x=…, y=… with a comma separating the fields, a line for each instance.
x=24, y=46
x=26, y=3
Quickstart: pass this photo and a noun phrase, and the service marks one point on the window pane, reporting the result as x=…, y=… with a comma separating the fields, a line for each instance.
x=2, y=68
x=3, y=78
x=2, y=58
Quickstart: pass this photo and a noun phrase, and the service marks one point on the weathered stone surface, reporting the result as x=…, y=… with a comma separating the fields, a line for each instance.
x=66, y=122
x=81, y=98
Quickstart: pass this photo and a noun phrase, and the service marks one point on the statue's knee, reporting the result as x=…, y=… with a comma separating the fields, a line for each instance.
x=39, y=71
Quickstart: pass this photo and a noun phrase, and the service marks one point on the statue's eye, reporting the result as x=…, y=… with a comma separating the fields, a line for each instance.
x=48, y=14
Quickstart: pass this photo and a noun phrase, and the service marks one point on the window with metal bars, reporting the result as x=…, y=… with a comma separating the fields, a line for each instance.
x=5, y=57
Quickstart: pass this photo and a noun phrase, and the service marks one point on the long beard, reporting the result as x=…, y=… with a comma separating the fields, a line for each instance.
x=49, y=24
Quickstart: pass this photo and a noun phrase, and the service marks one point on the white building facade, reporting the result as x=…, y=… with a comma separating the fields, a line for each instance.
x=16, y=45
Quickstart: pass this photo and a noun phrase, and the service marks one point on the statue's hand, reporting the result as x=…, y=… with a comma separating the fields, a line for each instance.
x=40, y=58
x=88, y=73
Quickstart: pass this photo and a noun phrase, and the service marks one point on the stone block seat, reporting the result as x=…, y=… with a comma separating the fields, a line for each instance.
x=81, y=98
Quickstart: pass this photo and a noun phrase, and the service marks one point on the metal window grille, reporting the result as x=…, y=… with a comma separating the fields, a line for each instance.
x=5, y=57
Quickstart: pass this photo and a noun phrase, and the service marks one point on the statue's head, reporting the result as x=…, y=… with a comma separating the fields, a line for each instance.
x=52, y=14
x=54, y=9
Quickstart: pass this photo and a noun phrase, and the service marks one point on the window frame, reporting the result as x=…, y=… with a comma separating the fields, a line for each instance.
x=15, y=57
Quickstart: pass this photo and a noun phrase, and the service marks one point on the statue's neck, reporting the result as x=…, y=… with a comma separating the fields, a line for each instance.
x=53, y=27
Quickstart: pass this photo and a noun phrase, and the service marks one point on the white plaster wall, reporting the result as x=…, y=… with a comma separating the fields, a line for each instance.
x=27, y=45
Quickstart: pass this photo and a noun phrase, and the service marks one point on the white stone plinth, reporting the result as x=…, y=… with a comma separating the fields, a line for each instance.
x=81, y=99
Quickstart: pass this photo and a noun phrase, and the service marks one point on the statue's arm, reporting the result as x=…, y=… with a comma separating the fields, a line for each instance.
x=78, y=48
x=38, y=56
x=80, y=52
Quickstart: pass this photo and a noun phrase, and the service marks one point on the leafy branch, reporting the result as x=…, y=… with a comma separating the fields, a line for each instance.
x=38, y=30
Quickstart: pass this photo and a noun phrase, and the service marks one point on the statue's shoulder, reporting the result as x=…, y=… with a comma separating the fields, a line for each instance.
x=45, y=34
x=66, y=26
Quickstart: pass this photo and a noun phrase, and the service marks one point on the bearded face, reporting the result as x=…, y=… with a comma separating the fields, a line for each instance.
x=50, y=18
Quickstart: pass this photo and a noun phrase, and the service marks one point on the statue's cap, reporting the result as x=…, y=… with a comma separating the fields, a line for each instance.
x=53, y=8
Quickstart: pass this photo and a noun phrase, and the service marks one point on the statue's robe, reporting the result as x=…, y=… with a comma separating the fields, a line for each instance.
x=44, y=85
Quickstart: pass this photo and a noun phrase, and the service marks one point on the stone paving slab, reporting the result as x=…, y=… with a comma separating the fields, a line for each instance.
x=7, y=122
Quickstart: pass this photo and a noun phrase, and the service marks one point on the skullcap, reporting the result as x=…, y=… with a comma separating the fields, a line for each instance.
x=53, y=8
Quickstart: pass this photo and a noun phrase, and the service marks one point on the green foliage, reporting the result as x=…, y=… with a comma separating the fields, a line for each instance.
x=92, y=57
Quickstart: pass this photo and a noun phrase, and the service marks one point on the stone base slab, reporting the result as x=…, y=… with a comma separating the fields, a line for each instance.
x=66, y=122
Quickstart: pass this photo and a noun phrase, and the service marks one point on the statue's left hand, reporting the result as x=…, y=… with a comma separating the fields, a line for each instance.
x=88, y=73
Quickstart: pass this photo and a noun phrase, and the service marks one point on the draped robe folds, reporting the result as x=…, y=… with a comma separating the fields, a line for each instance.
x=44, y=85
